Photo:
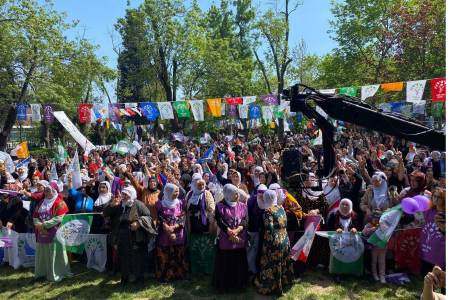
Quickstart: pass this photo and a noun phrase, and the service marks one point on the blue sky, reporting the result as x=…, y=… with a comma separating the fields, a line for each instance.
x=309, y=22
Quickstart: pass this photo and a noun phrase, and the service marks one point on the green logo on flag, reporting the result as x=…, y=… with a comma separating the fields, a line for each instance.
x=73, y=233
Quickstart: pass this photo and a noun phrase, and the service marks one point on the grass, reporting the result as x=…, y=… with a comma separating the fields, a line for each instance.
x=89, y=284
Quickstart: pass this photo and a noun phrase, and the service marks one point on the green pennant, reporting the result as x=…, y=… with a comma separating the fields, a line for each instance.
x=277, y=114
x=182, y=109
x=436, y=109
x=349, y=91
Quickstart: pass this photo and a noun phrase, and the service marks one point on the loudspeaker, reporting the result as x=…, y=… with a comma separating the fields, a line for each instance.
x=292, y=163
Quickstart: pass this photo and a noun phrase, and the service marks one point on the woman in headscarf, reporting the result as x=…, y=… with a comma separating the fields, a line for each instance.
x=12, y=213
x=149, y=195
x=172, y=250
x=255, y=179
x=344, y=220
x=200, y=208
x=231, y=267
x=313, y=203
x=378, y=196
x=277, y=268
x=132, y=227
x=197, y=169
x=210, y=186
x=99, y=224
x=185, y=181
x=418, y=185
x=255, y=228
x=23, y=173
x=236, y=180
x=49, y=261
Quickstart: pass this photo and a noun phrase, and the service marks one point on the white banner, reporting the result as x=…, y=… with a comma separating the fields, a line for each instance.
x=35, y=112
x=368, y=91
x=96, y=251
x=223, y=110
x=74, y=132
x=419, y=107
x=74, y=169
x=248, y=100
x=166, y=111
x=329, y=91
x=243, y=111
x=9, y=164
x=414, y=90
x=283, y=105
x=267, y=112
x=16, y=256
x=197, y=110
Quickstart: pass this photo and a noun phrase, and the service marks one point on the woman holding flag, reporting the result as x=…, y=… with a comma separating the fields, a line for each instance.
x=50, y=262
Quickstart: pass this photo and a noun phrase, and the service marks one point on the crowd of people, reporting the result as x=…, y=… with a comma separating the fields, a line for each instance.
x=150, y=202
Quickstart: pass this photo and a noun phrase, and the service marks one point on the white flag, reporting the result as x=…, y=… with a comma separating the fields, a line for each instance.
x=74, y=169
x=197, y=110
x=329, y=91
x=243, y=111
x=35, y=112
x=267, y=112
x=74, y=132
x=166, y=110
x=368, y=91
x=16, y=256
x=95, y=248
x=223, y=109
x=321, y=112
x=283, y=105
x=248, y=100
x=53, y=173
x=9, y=164
x=414, y=90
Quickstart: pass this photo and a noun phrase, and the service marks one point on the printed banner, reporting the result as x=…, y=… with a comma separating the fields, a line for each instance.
x=182, y=109
x=385, y=107
x=300, y=250
x=277, y=113
x=349, y=91
x=414, y=90
x=392, y=87
x=243, y=111
x=74, y=169
x=96, y=251
x=346, y=253
x=407, y=251
x=73, y=233
x=166, y=111
x=254, y=111
x=74, y=132
x=368, y=91
x=270, y=99
x=419, y=107
x=114, y=112
x=48, y=113
x=203, y=253
x=16, y=256
x=150, y=111
x=232, y=110
x=267, y=112
x=436, y=109
x=234, y=100
x=248, y=100
x=35, y=112
x=438, y=87
x=21, y=109
x=197, y=110
x=388, y=222
x=85, y=113
x=215, y=106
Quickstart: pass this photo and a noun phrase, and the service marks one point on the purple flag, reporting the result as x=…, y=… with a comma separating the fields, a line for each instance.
x=232, y=110
x=114, y=112
x=48, y=113
x=270, y=99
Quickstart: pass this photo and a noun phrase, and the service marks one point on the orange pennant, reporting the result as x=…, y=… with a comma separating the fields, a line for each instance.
x=392, y=87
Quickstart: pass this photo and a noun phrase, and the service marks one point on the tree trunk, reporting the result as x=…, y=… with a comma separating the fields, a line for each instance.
x=9, y=123
x=46, y=129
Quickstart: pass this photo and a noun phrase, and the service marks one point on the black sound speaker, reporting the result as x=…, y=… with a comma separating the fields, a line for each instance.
x=292, y=163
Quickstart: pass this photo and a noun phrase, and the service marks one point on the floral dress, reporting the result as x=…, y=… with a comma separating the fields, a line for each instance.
x=277, y=268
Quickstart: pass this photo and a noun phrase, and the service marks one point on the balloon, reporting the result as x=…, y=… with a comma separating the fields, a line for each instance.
x=410, y=206
x=423, y=202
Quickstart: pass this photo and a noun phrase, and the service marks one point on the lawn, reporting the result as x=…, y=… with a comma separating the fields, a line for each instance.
x=89, y=284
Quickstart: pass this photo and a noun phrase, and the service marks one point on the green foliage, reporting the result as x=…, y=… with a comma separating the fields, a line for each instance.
x=45, y=151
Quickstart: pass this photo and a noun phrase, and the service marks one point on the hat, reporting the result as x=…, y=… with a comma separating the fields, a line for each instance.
x=127, y=181
x=54, y=186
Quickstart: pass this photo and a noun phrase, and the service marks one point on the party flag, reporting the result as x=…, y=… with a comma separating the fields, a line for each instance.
x=392, y=87
x=243, y=111
x=123, y=146
x=248, y=100
x=300, y=250
x=35, y=112
x=197, y=110
x=48, y=113
x=388, y=222
x=21, y=151
x=349, y=91
x=73, y=232
x=21, y=109
x=113, y=112
x=215, y=106
x=368, y=91
x=150, y=111
x=270, y=99
x=232, y=110
x=438, y=87
x=209, y=153
x=234, y=100
x=182, y=109
x=85, y=113
x=414, y=90
x=166, y=111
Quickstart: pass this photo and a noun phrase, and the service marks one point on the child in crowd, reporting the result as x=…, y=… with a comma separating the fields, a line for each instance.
x=378, y=253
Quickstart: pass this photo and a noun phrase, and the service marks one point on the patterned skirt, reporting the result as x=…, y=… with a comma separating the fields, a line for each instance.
x=173, y=263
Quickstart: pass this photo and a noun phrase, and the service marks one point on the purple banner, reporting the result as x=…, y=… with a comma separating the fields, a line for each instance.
x=114, y=112
x=48, y=113
x=270, y=99
x=232, y=110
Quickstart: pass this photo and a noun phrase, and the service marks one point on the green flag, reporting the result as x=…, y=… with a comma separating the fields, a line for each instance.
x=182, y=109
x=61, y=155
x=203, y=253
x=123, y=147
x=436, y=109
x=277, y=114
x=73, y=233
x=346, y=252
x=388, y=222
x=349, y=91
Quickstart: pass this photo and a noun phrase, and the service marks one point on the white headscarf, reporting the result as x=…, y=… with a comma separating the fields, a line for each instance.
x=198, y=166
x=225, y=173
x=332, y=194
x=242, y=196
x=48, y=203
x=104, y=198
x=311, y=195
x=281, y=196
x=254, y=178
x=262, y=188
x=380, y=194
x=345, y=223
x=239, y=174
x=139, y=176
x=167, y=201
x=130, y=191
x=196, y=193
x=229, y=191
x=270, y=198
x=25, y=174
